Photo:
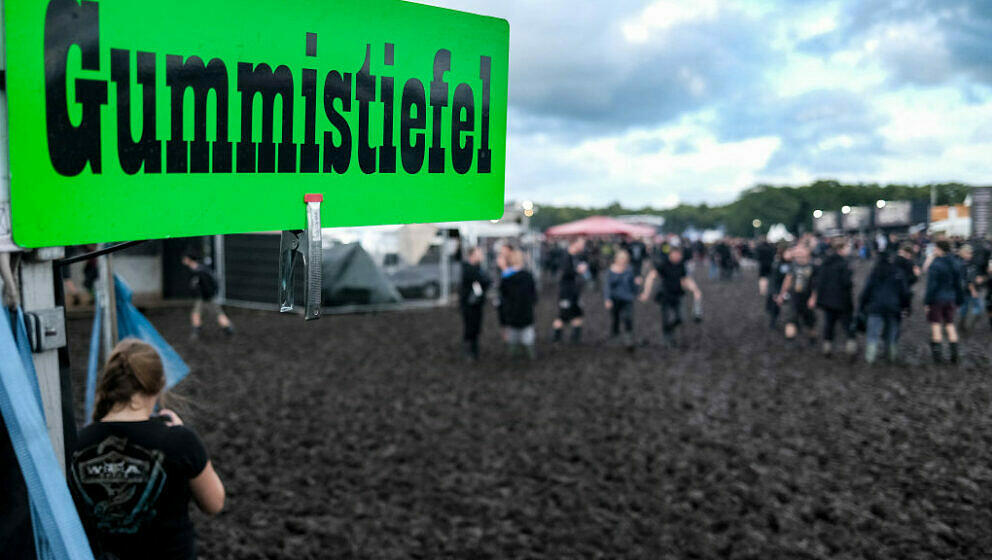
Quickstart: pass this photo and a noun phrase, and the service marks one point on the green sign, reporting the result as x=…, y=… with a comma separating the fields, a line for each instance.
x=143, y=120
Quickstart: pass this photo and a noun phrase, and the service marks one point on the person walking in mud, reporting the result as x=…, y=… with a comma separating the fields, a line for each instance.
x=573, y=270
x=674, y=283
x=797, y=288
x=204, y=286
x=133, y=472
x=502, y=263
x=518, y=293
x=780, y=268
x=619, y=292
x=885, y=299
x=471, y=300
x=973, y=307
x=833, y=293
x=765, y=255
x=944, y=294
x=725, y=259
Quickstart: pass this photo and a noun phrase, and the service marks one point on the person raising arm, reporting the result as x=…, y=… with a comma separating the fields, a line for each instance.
x=133, y=472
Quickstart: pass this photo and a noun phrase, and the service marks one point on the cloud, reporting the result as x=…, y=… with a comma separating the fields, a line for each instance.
x=823, y=131
x=922, y=42
x=609, y=66
x=664, y=101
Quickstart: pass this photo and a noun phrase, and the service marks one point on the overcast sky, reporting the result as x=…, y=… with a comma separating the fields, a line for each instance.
x=668, y=101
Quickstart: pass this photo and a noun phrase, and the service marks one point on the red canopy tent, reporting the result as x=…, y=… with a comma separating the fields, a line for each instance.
x=599, y=226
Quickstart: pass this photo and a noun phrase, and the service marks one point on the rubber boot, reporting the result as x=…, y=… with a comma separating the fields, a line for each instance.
x=851, y=348
x=893, y=351
x=556, y=335
x=195, y=333
x=531, y=351
x=628, y=341
x=576, y=335
x=229, y=330
x=936, y=353
x=954, y=352
x=871, y=352
x=472, y=350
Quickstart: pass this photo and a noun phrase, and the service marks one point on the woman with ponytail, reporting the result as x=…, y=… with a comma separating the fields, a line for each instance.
x=134, y=471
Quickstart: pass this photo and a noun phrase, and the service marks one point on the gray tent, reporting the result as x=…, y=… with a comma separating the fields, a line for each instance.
x=351, y=277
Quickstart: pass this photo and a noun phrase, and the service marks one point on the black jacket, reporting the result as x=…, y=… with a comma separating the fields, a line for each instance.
x=886, y=291
x=518, y=294
x=833, y=284
x=907, y=268
x=472, y=273
x=766, y=254
x=202, y=282
x=944, y=282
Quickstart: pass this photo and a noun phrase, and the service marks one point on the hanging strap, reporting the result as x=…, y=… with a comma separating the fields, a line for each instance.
x=58, y=532
x=93, y=364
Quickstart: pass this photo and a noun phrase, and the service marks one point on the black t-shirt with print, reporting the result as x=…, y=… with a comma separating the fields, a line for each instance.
x=671, y=275
x=802, y=278
x=130, y=482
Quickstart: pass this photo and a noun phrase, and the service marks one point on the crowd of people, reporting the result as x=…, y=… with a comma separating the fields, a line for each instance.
x=808, y=286
x=577, y=266
x=816, y=274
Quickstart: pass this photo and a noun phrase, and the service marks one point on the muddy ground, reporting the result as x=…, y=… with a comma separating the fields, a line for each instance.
x=368, y=436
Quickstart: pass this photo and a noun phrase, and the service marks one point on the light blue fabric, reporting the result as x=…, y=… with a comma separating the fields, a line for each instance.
x=93, y=364
x=58, y=532
x=24, y=350
x=131, y=324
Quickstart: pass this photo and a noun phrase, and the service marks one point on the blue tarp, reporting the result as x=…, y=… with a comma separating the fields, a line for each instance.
x=58, y=532
x=131, y=324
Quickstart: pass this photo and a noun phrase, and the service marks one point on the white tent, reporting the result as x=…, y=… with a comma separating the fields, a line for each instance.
x=779, y=232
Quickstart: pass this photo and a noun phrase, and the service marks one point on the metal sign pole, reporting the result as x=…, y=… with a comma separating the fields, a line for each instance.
x=220, y=270
x=445, y=265
x=38, y=294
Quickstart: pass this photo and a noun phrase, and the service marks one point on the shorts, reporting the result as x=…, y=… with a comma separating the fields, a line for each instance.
x=798, y=312
x=569, y=309
x=942, y=312
x=523, y=335
x=764, y=270
x=212, y=305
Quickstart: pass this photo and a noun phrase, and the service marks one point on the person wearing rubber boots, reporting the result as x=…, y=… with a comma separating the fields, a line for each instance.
x=674, y=283
x=570, y=286
x=945, y=292
x=471, y=300
x=833, y=293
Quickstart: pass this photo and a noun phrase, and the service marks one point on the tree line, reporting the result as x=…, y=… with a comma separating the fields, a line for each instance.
x=789, y=205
